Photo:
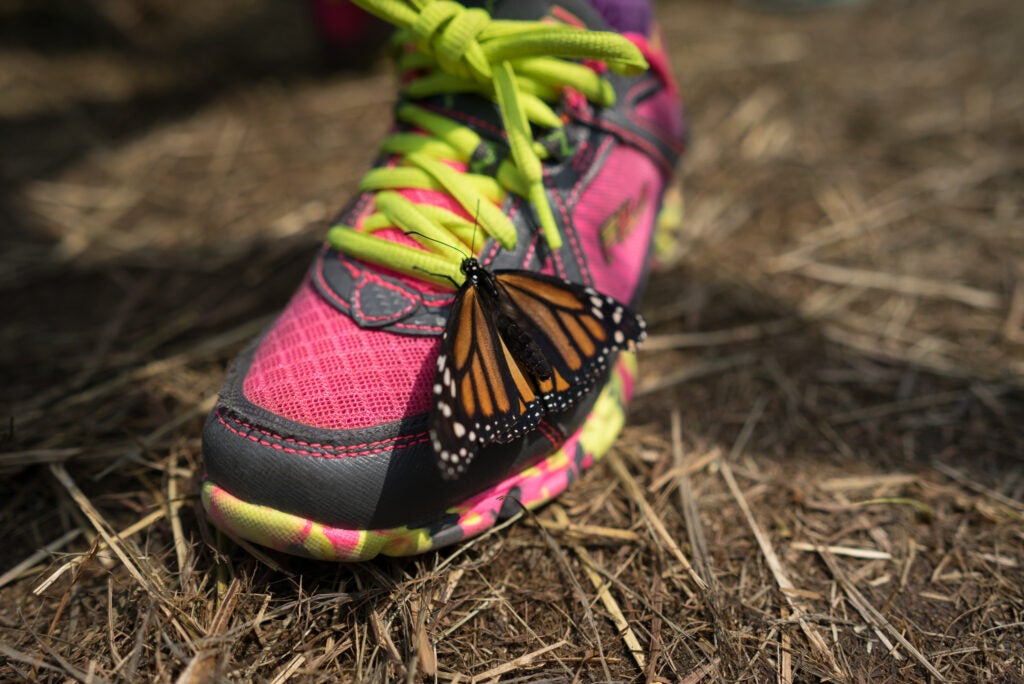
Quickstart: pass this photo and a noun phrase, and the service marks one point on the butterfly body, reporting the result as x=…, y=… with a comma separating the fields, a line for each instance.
x=519, y=345
x=515, y=335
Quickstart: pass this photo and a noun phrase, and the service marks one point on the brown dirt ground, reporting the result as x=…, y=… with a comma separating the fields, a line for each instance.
x=839, y=343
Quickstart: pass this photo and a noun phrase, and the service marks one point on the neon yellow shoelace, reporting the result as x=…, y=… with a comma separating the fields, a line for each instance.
x=521, y=66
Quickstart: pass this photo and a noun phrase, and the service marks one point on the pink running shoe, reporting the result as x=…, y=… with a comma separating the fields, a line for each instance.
x=538, y=135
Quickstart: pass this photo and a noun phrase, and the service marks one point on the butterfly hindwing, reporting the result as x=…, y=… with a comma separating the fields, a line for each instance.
x=578, y=329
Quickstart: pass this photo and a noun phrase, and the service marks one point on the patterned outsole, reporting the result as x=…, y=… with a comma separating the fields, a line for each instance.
x=532, y=487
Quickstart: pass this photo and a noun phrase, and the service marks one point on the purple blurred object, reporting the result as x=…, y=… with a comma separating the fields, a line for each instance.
x=626, y=16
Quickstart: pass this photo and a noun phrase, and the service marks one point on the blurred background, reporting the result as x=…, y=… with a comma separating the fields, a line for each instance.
x=848, y=280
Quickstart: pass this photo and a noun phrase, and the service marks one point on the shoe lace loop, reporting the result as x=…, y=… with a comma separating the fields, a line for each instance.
x=521, y=66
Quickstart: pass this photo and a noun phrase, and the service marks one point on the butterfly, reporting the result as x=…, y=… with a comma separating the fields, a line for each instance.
x=517, y=346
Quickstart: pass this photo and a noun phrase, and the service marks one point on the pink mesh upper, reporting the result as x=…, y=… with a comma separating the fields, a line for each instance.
x=615, y=218
x=318, y=368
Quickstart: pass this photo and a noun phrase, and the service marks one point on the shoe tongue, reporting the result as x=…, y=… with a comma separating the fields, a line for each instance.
x=573, y=12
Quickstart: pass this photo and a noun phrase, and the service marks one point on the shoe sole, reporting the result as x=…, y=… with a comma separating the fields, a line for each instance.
x=532, y=487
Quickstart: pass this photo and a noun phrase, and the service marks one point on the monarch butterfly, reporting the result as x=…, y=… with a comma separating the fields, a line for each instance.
x=517, y=345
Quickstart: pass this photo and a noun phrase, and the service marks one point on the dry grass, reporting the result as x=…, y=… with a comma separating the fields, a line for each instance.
x=823, y=477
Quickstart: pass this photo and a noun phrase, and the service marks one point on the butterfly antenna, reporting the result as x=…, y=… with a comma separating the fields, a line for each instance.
x=439, y=275
x=440, y=242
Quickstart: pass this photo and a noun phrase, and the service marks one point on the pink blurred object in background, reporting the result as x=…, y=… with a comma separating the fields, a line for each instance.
x=352, y=37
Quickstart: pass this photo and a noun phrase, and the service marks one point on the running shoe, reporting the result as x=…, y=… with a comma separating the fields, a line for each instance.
x=539, y=135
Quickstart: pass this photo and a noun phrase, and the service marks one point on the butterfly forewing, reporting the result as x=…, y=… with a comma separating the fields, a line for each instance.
x=519, y=344
x=481, y=396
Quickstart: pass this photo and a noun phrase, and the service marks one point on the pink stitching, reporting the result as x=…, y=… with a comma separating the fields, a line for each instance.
x=410, y=326
x=350, y=267
x=435, y=300
x=647, y=124
x=638, y=141
x=556, y=259
x=360, y=206
x=328, y=290
x=420, y=439
x=650, y=148
x=551, y=433
x=495, y=246
x=488, y=258
x=530, y=251
x=357, y=300
x=357, y=273
x=464, y=117
x=438, y=301
x=577, y=190
x=241, y=422
x=642, y=85
x=570, y=229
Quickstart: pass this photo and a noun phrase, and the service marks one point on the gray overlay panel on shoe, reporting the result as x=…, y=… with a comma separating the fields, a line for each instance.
x=346, y=478
x=376, y=300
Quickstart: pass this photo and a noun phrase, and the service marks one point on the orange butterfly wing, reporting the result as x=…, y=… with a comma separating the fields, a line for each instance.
x=481, y=395
x=578, y=329
x=484, y=393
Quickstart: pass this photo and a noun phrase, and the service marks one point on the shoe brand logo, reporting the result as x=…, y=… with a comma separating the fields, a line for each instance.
x=620, y=225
